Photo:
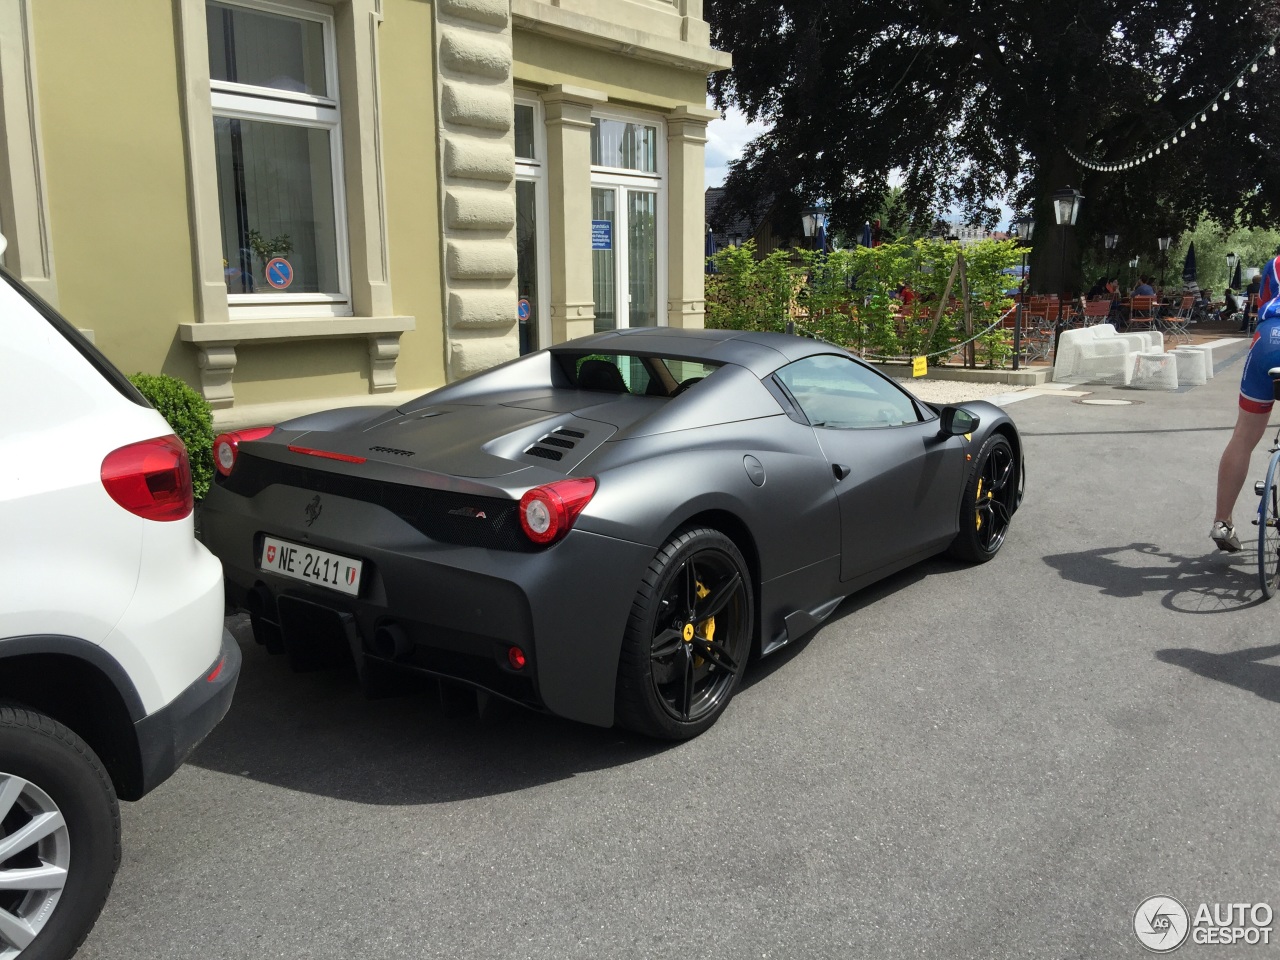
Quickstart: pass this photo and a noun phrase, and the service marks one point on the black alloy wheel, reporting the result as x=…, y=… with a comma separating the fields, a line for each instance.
x=688, y=637
x=990, y=497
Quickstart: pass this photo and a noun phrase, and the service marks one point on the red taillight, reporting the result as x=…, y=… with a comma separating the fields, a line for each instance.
x=547, y=512
x=516, y=657
x=227, y=447
x=151, y=479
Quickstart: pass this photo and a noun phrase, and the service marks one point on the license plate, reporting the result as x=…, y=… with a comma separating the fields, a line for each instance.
x=311, y=565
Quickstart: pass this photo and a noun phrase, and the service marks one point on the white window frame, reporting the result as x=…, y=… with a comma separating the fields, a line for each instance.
x=535, y=171
x=620, y=179
x=242, y=101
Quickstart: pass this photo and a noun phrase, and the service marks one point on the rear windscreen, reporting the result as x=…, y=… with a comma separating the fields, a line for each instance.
x=641, y=376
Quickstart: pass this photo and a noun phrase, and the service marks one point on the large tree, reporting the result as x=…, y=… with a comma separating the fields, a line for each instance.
x=972, y=103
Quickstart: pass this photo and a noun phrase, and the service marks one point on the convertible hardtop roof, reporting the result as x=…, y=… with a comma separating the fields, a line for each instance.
x=762, y=353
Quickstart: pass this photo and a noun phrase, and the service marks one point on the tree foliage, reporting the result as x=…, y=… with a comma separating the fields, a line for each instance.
x=975, y=102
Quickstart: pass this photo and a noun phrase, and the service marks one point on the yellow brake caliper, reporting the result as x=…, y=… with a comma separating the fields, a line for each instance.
x=977, y=513
x=706, y=630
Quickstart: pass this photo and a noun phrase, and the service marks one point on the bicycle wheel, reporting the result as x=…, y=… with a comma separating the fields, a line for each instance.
x=1269, y=531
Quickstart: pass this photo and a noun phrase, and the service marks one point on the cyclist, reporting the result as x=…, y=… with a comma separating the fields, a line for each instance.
x=1256, y=398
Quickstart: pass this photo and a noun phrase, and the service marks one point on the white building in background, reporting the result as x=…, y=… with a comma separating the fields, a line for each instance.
x=970, y=233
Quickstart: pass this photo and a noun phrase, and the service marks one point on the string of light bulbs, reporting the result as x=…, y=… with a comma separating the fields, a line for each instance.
x=1198, y=119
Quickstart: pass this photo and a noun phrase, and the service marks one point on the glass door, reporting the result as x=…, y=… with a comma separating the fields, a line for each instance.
x=642, y=258
x=604, y=261
x=624, y=257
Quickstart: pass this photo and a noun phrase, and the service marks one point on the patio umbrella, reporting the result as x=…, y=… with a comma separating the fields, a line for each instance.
x=1189, y=265
x=866, y=235
x=1235, y=283
x=710, y=250
x=820, y=241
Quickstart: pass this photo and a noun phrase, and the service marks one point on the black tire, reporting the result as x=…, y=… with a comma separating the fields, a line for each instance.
x=1269, y=534
x=45, y=769
x=990, y=497
x=687, y=639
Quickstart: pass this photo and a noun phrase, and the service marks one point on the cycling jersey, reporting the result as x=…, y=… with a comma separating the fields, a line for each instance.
x=1256, y=391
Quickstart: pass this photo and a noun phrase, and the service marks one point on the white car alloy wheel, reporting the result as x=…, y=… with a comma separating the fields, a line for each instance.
x=59, y=837
x=35, y=854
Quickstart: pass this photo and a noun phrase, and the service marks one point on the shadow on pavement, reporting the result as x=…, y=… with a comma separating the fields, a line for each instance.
x=1213, y=583
x=1240, y=669
x=317, y=733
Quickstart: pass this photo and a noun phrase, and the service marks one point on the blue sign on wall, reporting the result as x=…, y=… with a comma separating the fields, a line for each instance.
x=601, y=234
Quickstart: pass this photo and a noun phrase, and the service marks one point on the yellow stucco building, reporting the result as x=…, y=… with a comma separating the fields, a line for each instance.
x=295, y=204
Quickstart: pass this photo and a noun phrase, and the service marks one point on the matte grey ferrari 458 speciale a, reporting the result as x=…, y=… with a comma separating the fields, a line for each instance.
x=608, y=529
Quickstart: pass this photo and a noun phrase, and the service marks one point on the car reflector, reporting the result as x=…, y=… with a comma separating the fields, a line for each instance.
x=515, y=657
x=547, y=513
x=151, y=479
x=217, y=671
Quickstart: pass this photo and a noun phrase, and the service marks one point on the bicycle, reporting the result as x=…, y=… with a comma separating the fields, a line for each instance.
x=1268, y=522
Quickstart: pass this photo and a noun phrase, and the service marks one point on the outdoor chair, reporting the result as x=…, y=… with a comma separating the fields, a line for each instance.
x=1096, y=311
x=1175, y=324
x=1037, y=336
x=1142, y=311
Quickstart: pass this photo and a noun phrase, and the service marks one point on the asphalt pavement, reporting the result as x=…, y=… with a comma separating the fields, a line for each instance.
x=1000, y=761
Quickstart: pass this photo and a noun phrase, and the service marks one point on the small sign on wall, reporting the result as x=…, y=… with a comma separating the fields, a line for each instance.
x=919, y=367
x=279, y=273
x=601, y=234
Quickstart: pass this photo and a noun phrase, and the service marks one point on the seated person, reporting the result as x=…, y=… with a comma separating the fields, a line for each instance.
x=1230, y=306
x=1099, y=289
x=1144, y=288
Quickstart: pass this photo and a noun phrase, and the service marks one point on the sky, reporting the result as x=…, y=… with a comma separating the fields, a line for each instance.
x=725, y=140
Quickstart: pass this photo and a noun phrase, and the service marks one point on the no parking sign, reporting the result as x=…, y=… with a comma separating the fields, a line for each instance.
x=279, y=272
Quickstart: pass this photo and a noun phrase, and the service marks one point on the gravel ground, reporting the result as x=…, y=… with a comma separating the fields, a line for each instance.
x=955, y=391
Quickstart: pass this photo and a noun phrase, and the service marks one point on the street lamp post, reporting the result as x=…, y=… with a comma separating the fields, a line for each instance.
x=1232, y=260
x=815, y=224
x=1163, y=242
x=1066, y=207
x=1021, y=229
x=1133, y=270
x=1111, y=240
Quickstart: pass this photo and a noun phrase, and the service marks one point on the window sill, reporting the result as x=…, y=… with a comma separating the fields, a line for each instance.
x=293, y=328
x=217, y=344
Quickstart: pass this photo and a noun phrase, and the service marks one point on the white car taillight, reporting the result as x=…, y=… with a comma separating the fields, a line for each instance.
x=227, y=447
x=547, y=512
x=151, y=479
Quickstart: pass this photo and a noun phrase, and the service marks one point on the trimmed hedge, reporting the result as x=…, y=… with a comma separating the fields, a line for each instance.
x=191, y=418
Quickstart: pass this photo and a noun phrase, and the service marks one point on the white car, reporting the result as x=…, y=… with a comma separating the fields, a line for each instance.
x=114, y=660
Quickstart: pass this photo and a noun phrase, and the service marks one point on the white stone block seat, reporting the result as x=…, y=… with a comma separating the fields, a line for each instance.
x=1207, y=350
x=1155, y=371
x=1191, y=366
x=1094, y=353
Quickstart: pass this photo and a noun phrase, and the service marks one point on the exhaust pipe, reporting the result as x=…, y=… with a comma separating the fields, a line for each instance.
x=391, y=642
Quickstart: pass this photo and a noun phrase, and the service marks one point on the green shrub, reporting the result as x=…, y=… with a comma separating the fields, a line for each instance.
x=189, y=415
x=851, y=297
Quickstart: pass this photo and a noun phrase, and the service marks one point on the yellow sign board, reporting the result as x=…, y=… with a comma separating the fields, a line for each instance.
x=919, y=366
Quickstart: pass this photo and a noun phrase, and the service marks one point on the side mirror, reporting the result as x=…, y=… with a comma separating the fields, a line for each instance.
x=957, y=421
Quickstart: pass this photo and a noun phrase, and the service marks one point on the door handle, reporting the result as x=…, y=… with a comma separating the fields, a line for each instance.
x=840, y=470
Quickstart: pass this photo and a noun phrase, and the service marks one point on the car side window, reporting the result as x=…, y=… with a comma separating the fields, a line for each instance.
x=836, y=392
